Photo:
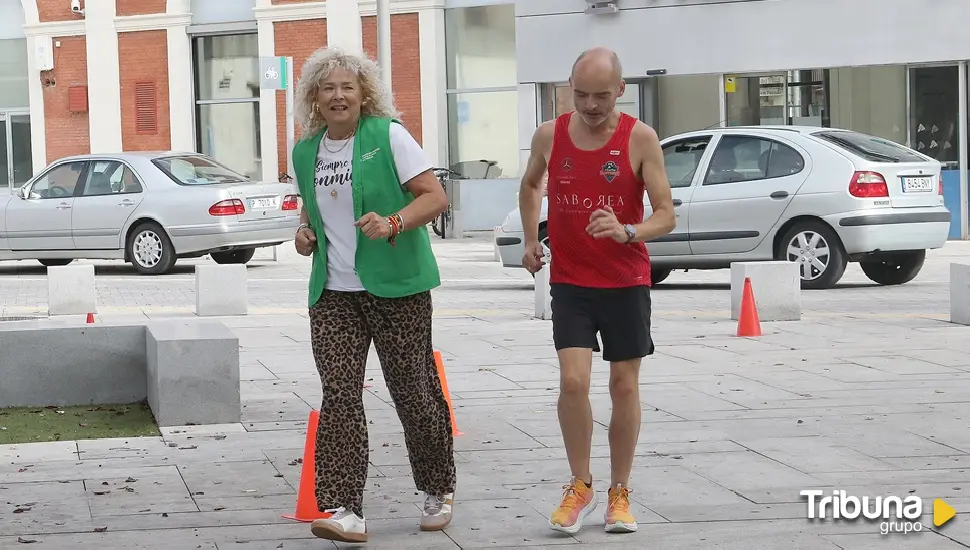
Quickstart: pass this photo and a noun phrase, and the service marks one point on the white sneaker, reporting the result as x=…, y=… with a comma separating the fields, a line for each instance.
x=343, y=526
x=437, y=511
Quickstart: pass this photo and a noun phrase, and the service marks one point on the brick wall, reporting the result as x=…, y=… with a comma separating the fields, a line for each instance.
x=405, y=65
x=139, y=7
x=298, y=39
x=67, y=133
x=143, y=62
x=57, y=10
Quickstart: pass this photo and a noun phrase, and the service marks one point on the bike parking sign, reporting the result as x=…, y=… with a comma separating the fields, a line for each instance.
x=272, y=73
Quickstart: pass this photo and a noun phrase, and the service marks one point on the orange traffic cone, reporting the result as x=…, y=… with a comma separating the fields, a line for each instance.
x=444, y=388
x=306, y=497
x=748, y=322
x=90, y=319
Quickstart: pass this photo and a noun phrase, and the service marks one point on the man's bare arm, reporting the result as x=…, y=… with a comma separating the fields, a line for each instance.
x=662, y=221
x=530, y=191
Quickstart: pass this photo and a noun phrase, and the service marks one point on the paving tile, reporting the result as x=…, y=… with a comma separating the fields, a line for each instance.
x=867, y=393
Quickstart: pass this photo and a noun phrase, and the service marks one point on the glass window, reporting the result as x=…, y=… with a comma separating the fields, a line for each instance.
x=681, y=159
x=747, y=158
x=59, y=182
x=870, y=147
x=227, y=66
x=13, y=73
x=196, y=170
x=229, y=133
x=227, y=113
x=480, y=46
x=483, y=129
x=935, y=112
x=110, y=177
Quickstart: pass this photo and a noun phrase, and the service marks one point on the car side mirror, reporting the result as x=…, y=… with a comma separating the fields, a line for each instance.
x=22, y=192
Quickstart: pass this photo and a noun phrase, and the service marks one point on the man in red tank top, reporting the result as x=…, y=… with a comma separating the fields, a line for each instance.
x=600, y=162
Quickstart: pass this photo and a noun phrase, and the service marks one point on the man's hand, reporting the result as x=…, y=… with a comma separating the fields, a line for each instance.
x=532, y=258
x=374, y=226
x=603, y=224
x=305, y=242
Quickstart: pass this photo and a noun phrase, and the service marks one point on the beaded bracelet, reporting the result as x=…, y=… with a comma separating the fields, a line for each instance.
x=397, y=225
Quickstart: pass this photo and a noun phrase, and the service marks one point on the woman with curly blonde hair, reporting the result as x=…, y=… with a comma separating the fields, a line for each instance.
x=368, y=194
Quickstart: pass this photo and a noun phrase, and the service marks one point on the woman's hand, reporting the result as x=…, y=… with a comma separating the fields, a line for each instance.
x=305, y=241
x=374, y=226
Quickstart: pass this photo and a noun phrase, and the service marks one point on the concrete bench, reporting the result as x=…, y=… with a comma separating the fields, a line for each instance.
x=188, y=371
x=960, y=293
x=71, y=290
x=193, y=373
x=776, y=286
x=221, y=290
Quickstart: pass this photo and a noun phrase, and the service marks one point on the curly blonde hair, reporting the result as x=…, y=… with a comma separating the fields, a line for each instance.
x=376, y=95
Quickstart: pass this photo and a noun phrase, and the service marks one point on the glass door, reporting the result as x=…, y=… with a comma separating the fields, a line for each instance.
x=19, y=151
x=6, y=177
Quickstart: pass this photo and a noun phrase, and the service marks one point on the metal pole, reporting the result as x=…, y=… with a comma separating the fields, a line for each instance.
x=290, y=126
x=384, y=39
x=962, y=131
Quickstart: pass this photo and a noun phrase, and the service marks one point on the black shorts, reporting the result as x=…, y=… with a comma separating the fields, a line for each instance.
x=621, y=316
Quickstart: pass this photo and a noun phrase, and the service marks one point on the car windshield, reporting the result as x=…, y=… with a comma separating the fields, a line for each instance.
x=870, y=147
x=197, y=170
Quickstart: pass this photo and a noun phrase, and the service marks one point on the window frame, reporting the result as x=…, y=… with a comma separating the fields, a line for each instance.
x=707, y=172
x=700, y=161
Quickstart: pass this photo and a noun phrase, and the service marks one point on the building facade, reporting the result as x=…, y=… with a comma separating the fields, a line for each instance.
x=896, y=69
x=126, y=75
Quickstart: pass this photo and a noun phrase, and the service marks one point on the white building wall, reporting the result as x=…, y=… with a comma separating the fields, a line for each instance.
x=701, y=37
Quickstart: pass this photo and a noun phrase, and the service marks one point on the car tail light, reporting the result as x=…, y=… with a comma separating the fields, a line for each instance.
x=941, y=183
x=289, y=202
x=228, y=207
x=867, y=185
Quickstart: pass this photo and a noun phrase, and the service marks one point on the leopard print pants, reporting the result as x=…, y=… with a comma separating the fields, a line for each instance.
x=342, y=325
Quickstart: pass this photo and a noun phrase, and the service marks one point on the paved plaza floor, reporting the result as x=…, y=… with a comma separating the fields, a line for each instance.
x=869, y=393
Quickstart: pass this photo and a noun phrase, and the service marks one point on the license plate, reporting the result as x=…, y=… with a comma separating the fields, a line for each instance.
x=264, y=203
x=917, y=184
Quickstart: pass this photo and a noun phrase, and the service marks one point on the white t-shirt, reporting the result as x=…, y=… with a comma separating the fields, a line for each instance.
x=336, y=203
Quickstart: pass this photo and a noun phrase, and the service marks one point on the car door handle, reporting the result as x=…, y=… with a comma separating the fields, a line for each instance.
x=779, y=195
x=126, y=202
x=678, y=202
x=63, y=206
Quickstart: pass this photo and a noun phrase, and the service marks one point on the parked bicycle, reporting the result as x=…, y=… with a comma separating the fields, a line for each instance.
x=438, y=224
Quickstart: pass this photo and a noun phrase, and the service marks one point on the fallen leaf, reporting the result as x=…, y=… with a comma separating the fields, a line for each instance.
x=100, y=529
x=22, y=540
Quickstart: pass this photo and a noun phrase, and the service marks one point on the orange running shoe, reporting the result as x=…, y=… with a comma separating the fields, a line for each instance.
x=578, y=502
x=618, y=516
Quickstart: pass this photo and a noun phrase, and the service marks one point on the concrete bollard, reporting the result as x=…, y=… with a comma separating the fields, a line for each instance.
x=960, y=293
x=777, y=289
x=71, y=290
x=543, y=298
x=221, y=290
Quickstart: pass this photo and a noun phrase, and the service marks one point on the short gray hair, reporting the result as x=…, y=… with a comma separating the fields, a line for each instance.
x=377, y=99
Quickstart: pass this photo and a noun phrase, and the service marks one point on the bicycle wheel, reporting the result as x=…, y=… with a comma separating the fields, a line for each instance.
x=438, y=225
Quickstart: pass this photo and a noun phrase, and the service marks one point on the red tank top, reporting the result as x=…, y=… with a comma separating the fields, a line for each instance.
x=580, y=182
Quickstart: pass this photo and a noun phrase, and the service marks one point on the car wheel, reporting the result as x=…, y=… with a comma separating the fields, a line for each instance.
x=544, y=239
x=658, y=275
x=55, y=262
x=150, y=250
x=896, y=269
x=234, y=256
x=818, y=252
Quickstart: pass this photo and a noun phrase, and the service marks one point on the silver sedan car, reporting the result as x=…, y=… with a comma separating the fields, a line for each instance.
x=147, y=208
x=820, y=197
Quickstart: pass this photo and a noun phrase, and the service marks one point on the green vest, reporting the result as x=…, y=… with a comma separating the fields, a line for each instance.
x=386, y=271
